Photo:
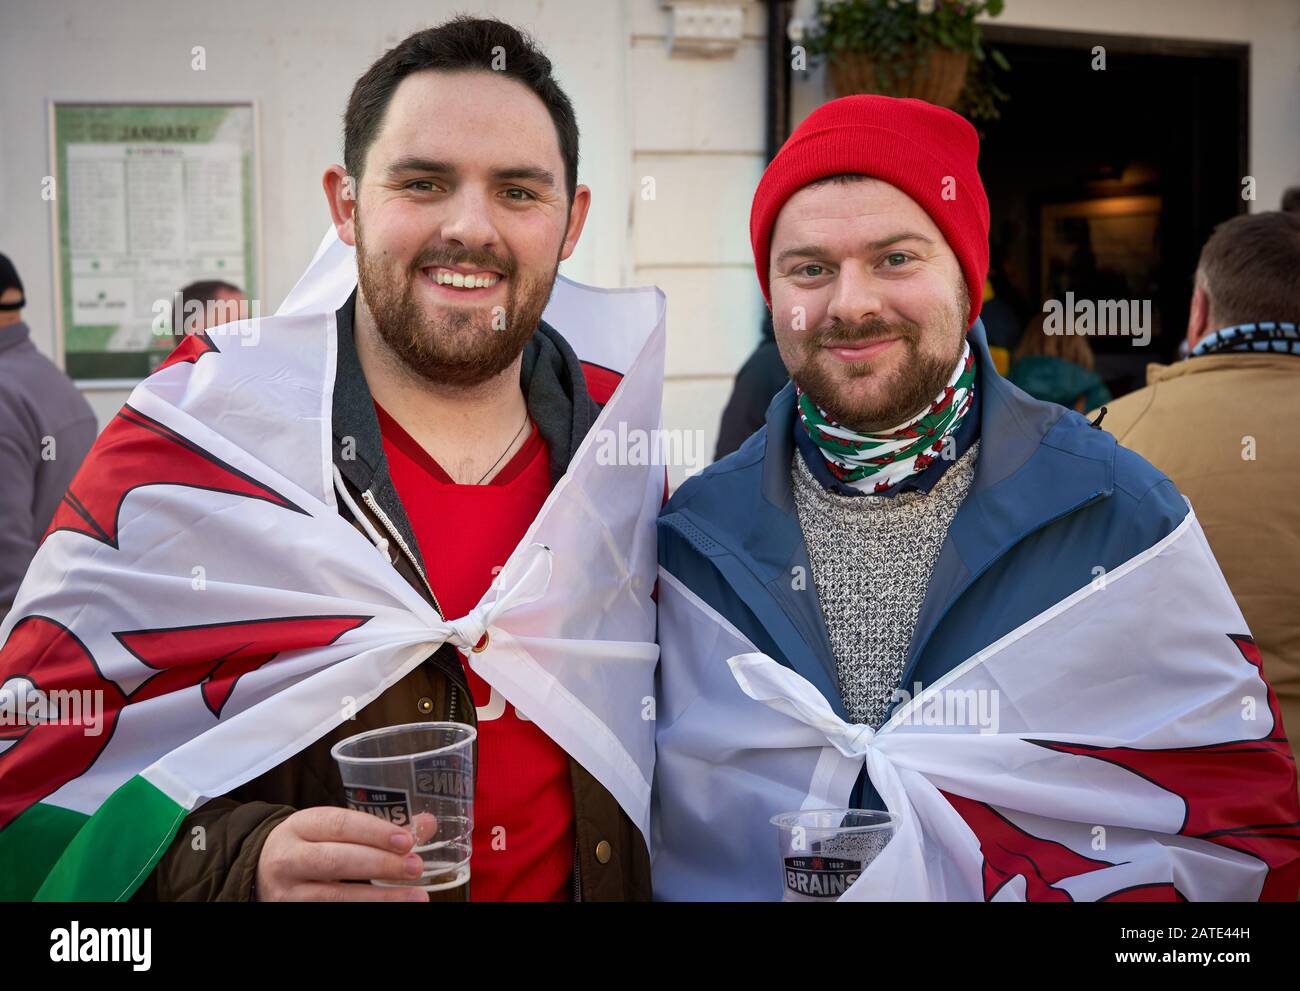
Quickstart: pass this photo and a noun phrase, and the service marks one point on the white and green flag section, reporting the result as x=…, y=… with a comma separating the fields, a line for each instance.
x=200, y=591
x=1121, y=746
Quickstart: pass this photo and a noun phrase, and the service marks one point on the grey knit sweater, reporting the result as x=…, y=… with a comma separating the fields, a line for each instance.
x=872, y=557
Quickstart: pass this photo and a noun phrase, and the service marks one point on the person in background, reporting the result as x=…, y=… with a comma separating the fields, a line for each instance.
x=760, y=378
x=1291, y=200
x=1001, y=327
x=1057, y=368
x=221, y=301
x=1222, y=425
x=46, y=428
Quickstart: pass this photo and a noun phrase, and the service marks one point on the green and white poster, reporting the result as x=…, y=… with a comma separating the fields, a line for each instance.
x=151, y=197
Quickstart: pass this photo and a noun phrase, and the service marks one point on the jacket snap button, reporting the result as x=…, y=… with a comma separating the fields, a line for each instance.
x=604, y=851
x=425, y=704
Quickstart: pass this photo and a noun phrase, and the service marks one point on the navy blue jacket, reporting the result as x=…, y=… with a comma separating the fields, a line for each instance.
x=1054, y=499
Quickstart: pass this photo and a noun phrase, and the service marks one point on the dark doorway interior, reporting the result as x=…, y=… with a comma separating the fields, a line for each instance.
x=1107, y=183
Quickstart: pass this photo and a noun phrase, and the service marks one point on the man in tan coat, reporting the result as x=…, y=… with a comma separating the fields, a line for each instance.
x=1225, y=426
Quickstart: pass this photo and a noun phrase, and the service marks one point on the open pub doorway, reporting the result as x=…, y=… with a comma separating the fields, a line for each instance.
x=1105, y=183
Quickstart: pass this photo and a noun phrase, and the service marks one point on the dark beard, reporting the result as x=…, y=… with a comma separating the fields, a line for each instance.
x=914, y=386
x=455, y=346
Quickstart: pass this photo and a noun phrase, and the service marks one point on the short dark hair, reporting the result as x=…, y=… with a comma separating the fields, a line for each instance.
x=205, y=291
x=1291, y=200
x=1250, y=269
x=462, y=44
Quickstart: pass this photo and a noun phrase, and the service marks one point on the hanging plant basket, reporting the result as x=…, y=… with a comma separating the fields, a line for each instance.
x=930, y=50
x=936, y=78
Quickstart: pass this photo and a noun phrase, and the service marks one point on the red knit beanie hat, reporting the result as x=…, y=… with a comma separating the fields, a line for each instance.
x=926, y=151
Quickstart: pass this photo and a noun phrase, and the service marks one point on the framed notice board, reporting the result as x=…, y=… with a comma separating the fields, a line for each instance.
x=150, y=197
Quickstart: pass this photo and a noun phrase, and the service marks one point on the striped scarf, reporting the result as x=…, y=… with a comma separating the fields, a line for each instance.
x=892, y=455
x=1269, y=336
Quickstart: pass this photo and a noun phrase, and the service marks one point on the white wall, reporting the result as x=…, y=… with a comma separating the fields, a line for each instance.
x=299, y=61
x=698, y=133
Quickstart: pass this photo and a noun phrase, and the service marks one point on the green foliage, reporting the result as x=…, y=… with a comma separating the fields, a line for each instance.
x=900, y=34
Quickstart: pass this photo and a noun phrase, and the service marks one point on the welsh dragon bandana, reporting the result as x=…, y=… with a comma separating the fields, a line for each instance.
x=1278, y=338
x=902, y=451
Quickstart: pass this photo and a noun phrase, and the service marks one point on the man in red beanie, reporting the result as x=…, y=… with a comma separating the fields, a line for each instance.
x=903, y=509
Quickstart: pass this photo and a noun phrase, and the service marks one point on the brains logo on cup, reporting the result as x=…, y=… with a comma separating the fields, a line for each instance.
x=387, y=803
x=435, y=778
x=820, y=877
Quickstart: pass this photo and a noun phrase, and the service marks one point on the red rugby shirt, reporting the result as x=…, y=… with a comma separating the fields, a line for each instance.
x=523, y=805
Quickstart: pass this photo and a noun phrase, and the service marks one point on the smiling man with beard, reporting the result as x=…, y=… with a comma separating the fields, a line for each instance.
x=456, y=409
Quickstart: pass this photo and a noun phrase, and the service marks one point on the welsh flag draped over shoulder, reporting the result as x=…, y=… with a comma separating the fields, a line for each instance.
x=1123, y=745
x=199, y=584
